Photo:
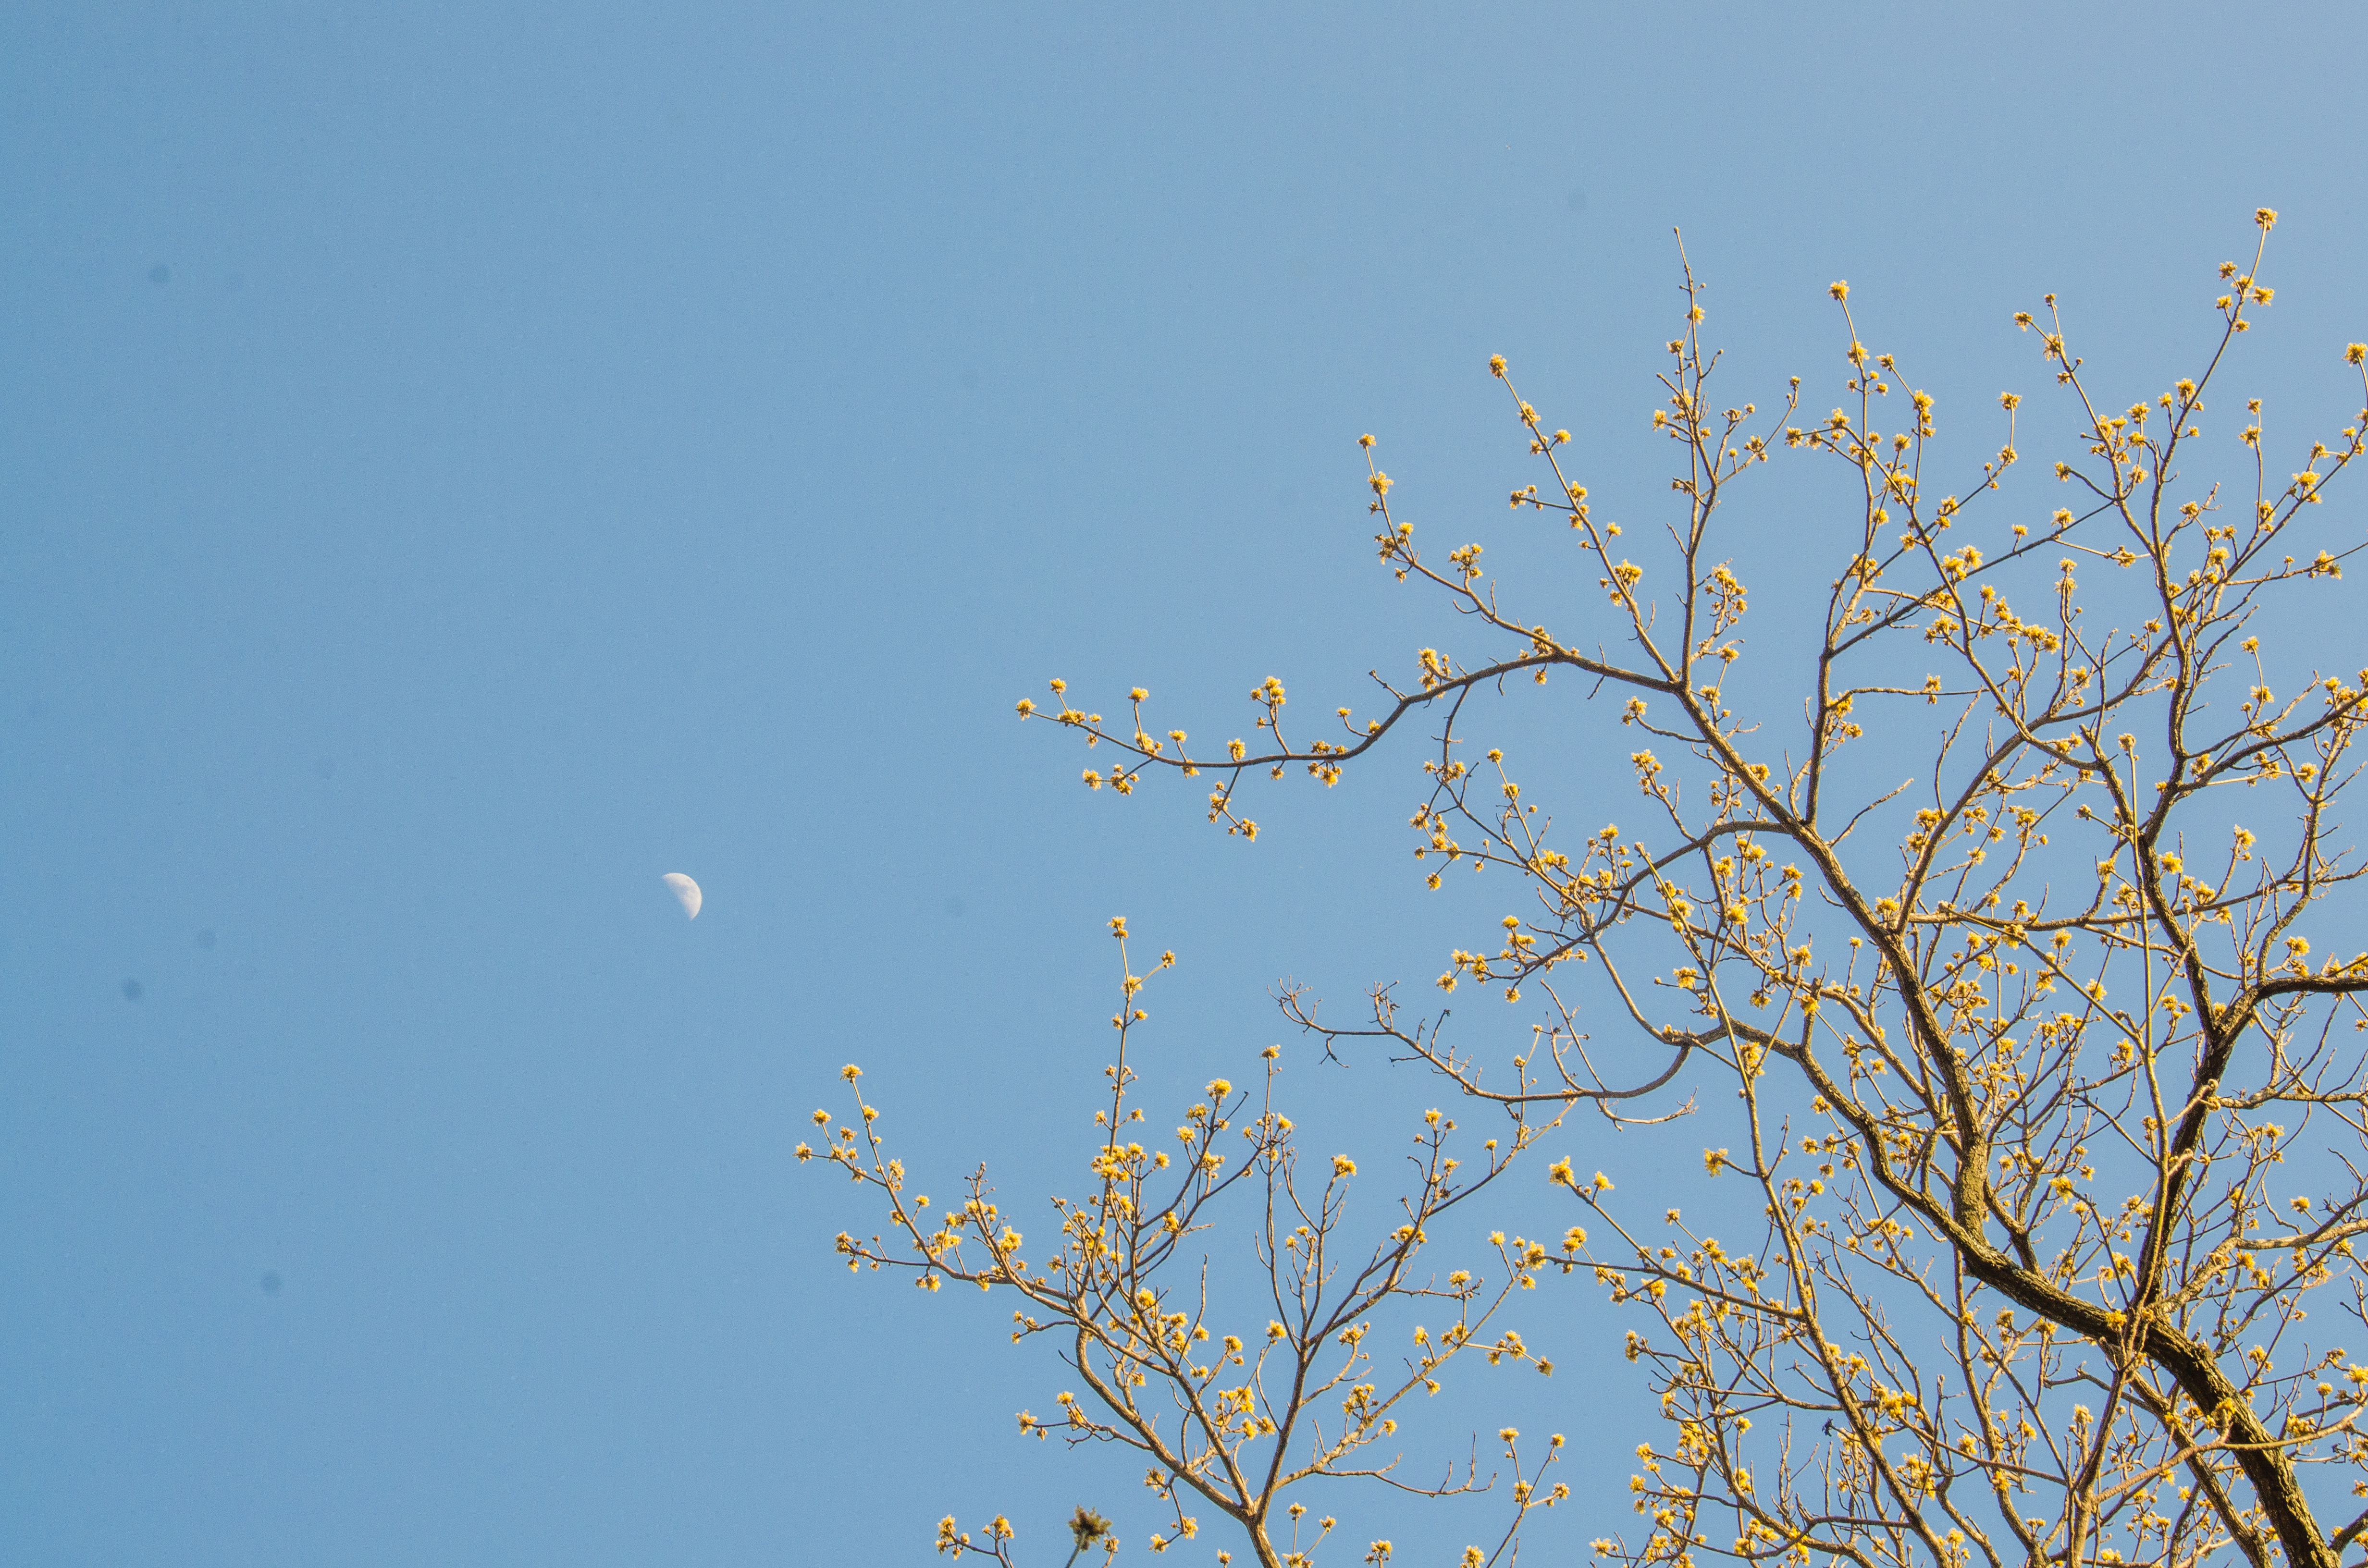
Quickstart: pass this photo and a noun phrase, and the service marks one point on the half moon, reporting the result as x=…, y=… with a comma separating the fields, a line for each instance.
x=685, y=890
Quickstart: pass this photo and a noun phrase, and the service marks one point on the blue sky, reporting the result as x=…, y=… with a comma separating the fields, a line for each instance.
x=458, y=463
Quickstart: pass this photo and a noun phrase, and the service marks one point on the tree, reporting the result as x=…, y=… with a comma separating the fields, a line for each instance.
x=2048, y=1131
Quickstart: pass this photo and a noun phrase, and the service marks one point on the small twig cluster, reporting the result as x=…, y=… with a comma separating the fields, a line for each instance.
x=1230, y=1414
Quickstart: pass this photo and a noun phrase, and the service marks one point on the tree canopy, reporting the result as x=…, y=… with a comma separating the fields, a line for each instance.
x=2049, y=1124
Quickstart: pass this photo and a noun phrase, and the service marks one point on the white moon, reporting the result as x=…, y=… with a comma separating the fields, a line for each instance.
x=684, y=889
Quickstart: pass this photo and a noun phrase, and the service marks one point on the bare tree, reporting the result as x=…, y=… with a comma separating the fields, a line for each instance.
x=2049, y=1129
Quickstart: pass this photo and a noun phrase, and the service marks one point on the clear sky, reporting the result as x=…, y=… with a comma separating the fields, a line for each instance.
x=458, y=463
